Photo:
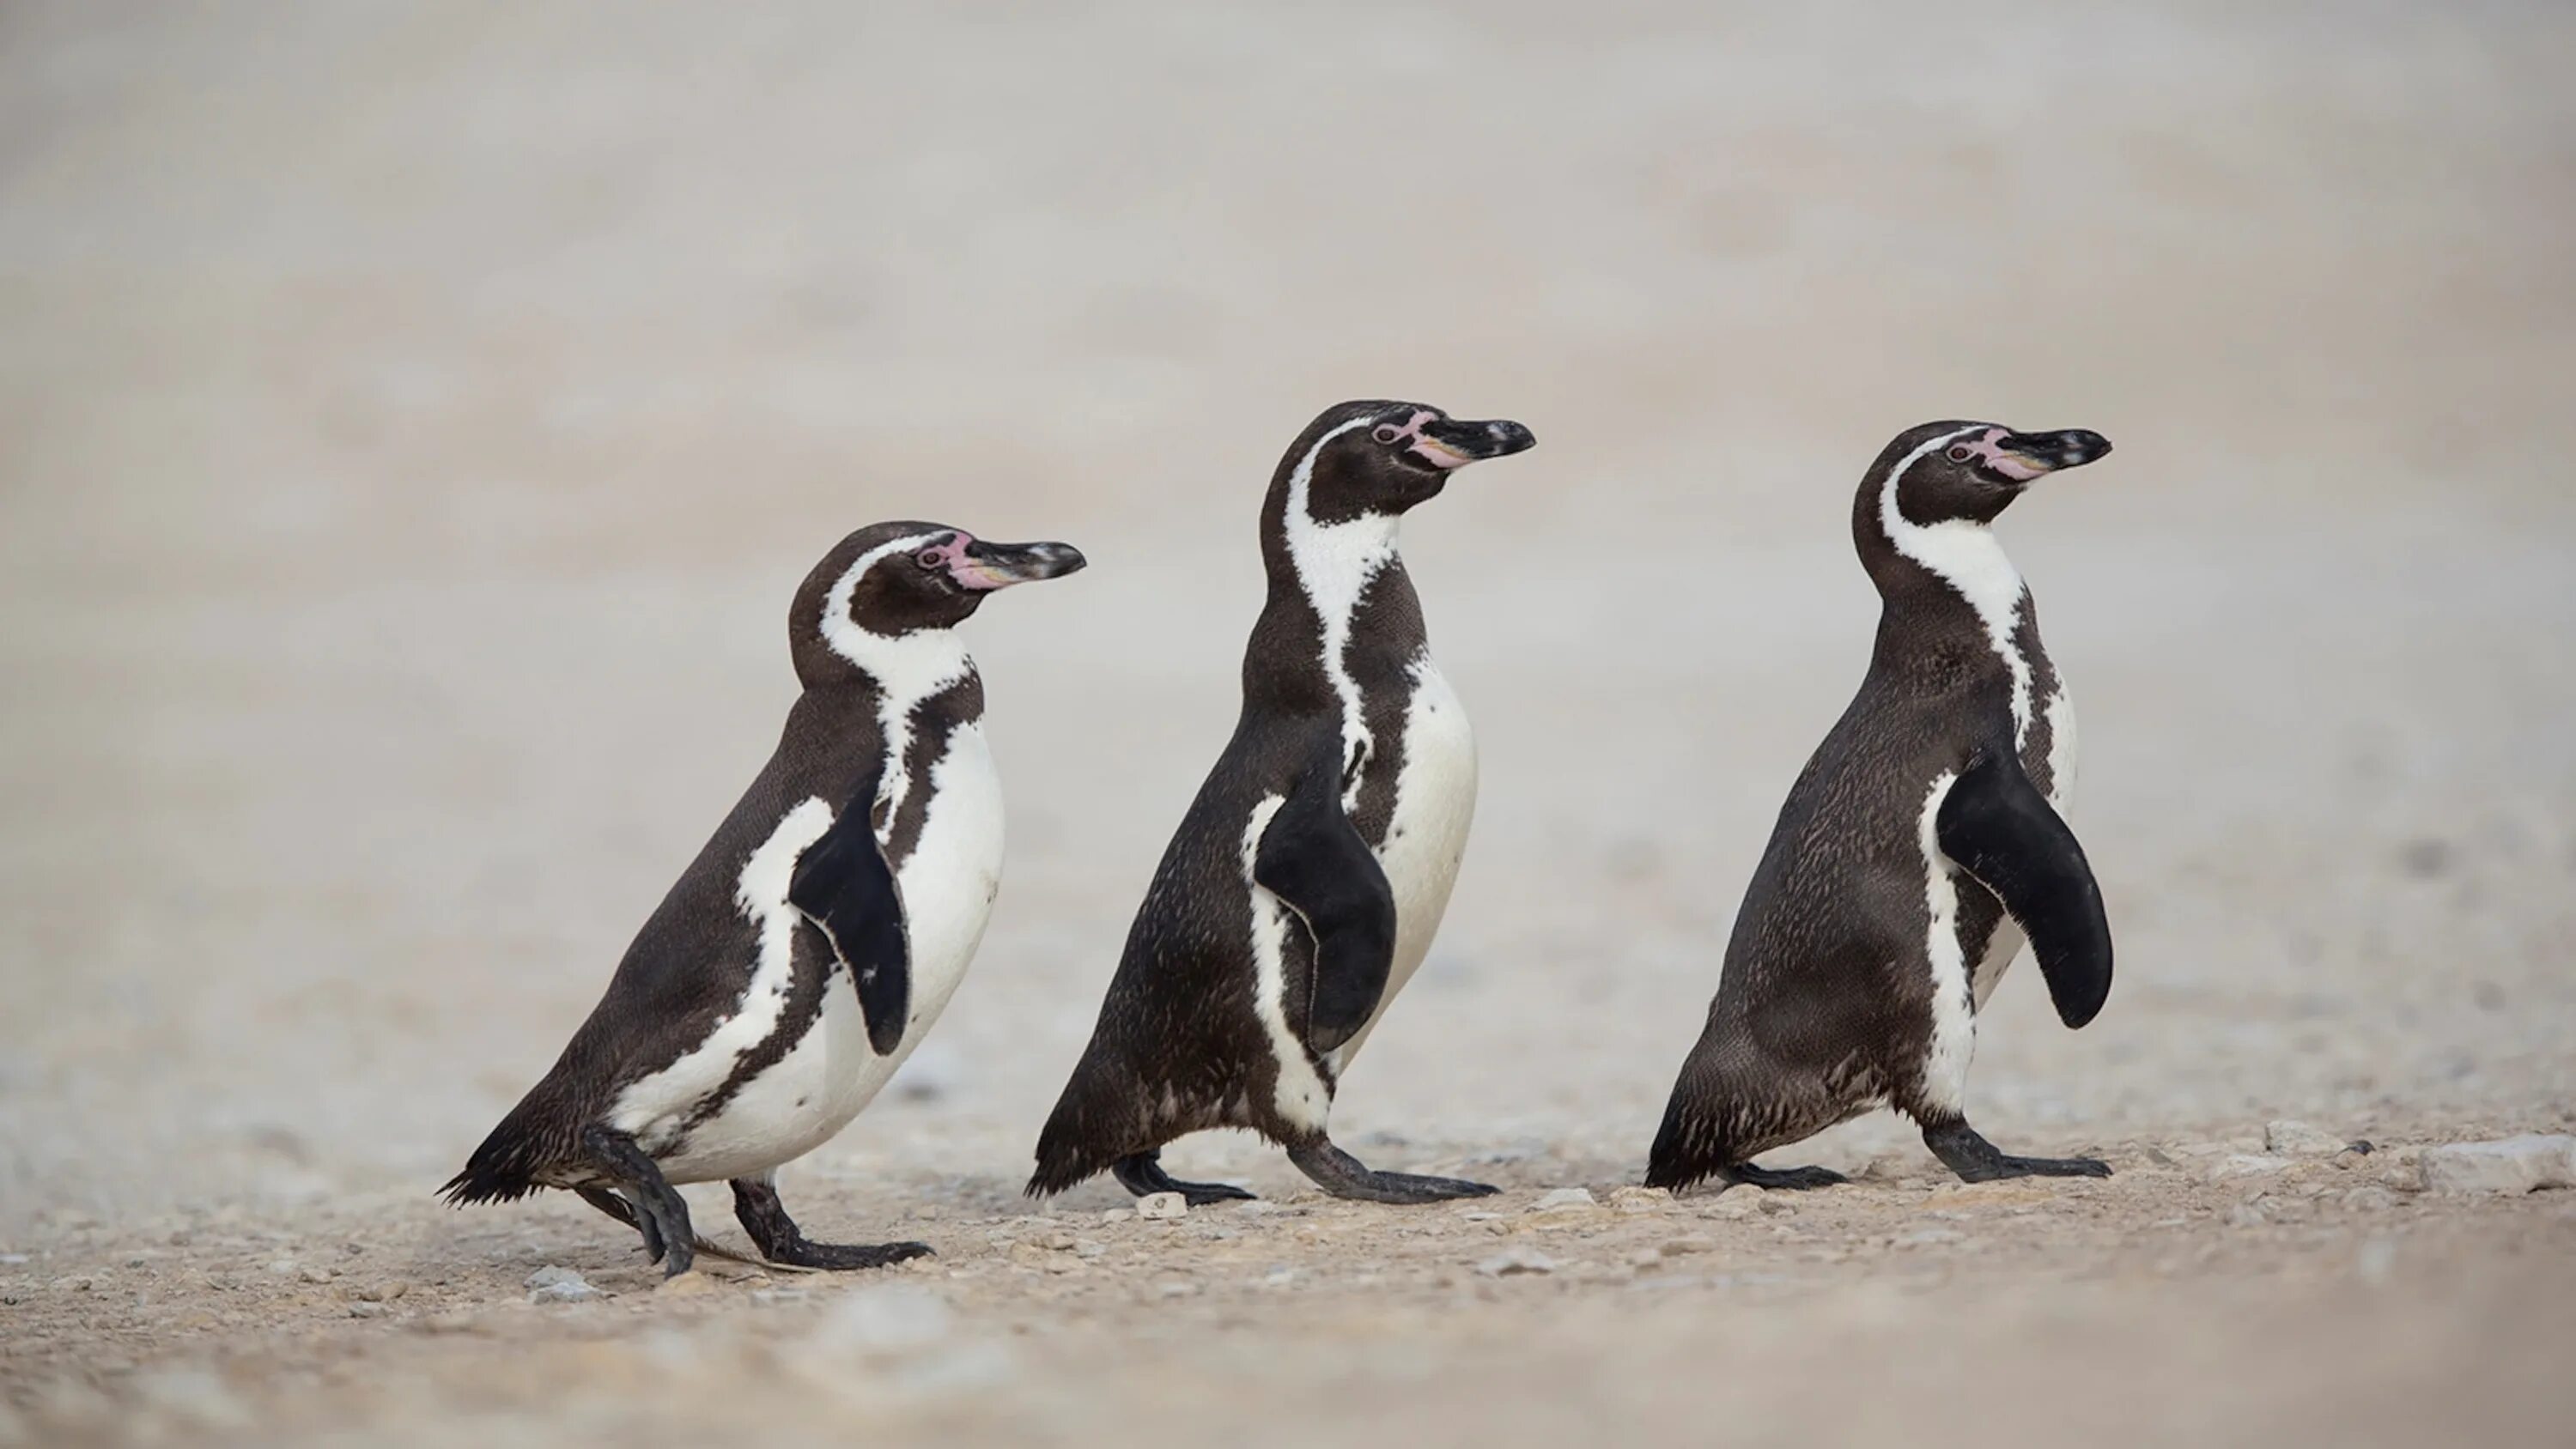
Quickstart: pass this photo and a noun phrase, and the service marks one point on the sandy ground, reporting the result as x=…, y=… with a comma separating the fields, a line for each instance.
x=417, y=419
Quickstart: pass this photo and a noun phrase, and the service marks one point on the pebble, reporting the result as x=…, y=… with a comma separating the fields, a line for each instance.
x=1742, y=1200
x=2248, y=1164
x=687, y=1285
x=195, y=1397
x=2377, y=1260
x=882, y=1318
x=383, y=1292
x=2513, y=1165
x=1635, y=1201
x=555, y=1284
x=1118, y=1215
x=1515, y=1262
x=1565, y=1197
x=1162, y=1207
x=2370, y=1200
x=1175, y=1288
x=2297, y=1139
x=366, y=1308
x=1681, y=1246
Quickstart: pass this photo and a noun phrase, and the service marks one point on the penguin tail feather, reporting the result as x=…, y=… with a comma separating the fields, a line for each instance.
x=1096, y=1111
x=505, y=1167
x=1065, y=1158
x=1683, y=1153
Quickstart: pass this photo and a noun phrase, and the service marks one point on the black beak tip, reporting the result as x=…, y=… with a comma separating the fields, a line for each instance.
x=1060, y=559
x=1511, y=437
x=2083, y=445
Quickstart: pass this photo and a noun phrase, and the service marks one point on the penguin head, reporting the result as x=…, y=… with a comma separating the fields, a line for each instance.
x=1972, y=471
x=889, y=580
x=1363, y=459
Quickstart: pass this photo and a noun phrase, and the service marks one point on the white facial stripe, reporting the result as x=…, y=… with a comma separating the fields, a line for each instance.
x=908, y=668
x=1334, y=564
x=1965, y=555
x=1954, y=1011
x=1300, y=1095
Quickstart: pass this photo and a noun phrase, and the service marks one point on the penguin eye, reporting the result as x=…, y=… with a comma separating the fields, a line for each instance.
x=928, y=558
x=1958, y=453
x=1386, y=432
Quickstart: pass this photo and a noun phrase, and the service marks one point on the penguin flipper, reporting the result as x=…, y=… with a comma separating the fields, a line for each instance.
x=843, y=885
x=2001, y=830
x=1313, y=858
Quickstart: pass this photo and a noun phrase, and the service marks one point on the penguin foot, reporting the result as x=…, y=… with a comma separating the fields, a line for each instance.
x=1342, y=1175
x=1142, y=1173
x=652, y=1204
x=1974, y=1159
x=1782, y=1179
x=756, y=1204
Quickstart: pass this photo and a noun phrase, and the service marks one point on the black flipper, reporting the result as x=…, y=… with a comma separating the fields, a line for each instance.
x=1312, y=857
x=844, y=887
x=2000, y=829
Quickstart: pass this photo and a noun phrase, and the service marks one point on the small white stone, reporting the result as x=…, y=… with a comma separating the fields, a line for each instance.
x=2248, y=1164
x=2513, y=1165
x=554, y=1284
x=2378, y=1259
x=1514, y=1262
x=1118, y=1215
x=1742, y=1200
x=1565, y=1197
x=366, y=1309
x=1162, y=1207
x=2298, y=1139
x=1175, y=1288
x=884, y=1317
x=196, y=1397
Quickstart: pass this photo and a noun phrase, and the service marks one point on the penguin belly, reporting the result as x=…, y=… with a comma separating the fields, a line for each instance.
x=832, y=1073
x=1435, y=803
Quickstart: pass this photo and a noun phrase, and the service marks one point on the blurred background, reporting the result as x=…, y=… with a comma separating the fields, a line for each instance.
x=418, y=417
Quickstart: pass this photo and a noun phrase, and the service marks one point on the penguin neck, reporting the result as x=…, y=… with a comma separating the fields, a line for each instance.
x=1943, y=585
x=1340, y=598
x=899, y=674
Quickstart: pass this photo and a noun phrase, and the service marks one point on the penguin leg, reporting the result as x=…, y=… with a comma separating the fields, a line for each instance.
x=618, y=1208
x=1970, y=1155
x=1142, y=1173
x=657, y=1208
x=755, y=1202
x=1342, y=1175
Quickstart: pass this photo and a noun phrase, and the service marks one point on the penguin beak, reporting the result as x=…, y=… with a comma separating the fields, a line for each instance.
x=2047, y=452
x=1456, y=442
x=982, y=567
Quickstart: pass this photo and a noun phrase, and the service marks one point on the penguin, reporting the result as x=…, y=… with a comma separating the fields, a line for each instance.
x=1305, y=882
x=806, y=951
x=1919, y=847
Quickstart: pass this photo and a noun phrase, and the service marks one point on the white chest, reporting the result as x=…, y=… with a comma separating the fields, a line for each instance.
x=1435, y=803
x=831, y=1072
